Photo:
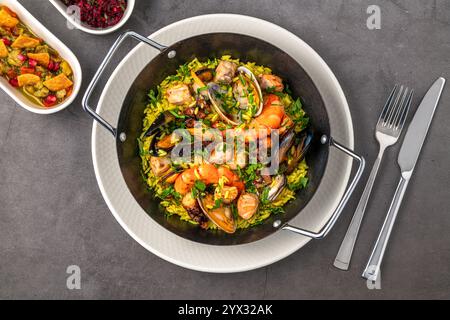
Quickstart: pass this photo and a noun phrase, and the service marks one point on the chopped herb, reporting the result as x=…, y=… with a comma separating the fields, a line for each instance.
x=169, y=192
x=265, y=196
x=242, y=79
x=199, y=90
x=217, y=204
x=152, y=97
x=200, y=185
x=176, y=115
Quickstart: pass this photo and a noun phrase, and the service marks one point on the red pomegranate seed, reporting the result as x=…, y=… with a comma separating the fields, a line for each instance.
x=6, y=41
x=51, y=65
x=100, y=13
x=33, y=63
x=21, y=57
x=56, y=66
x=14, y=82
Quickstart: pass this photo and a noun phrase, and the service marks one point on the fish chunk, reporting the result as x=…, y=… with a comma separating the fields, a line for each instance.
x=269, y=81
x=225, y=72
x=179, y=95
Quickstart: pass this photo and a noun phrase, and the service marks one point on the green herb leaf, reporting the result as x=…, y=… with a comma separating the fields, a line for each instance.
x=200, y=185
x=265, y=196
x=217, y=204
x=176, y=115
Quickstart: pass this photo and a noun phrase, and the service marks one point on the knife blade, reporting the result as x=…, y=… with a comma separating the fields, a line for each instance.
x=407, y=159
x=418, y=128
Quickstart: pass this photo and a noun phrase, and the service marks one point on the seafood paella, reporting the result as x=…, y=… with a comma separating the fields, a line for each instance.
x=223, y=144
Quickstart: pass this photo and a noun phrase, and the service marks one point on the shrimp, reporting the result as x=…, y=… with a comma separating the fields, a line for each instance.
x=185, y=181
x=232, y=179
x=206, y=173
x=273, y=113
x=272, y=117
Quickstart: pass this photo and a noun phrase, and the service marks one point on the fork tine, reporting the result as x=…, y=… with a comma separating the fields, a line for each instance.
x=387, y=105
x=394, y=107
x=404, y=115
x=400, y=108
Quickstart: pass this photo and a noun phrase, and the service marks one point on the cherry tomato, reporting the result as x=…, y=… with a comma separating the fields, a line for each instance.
x=6, y=41
x=50, y=101
x=14, y=82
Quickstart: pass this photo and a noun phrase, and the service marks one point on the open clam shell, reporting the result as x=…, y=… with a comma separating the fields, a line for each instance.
x=253, y=82
x=221, y=216
x=215, y=92
x=276, y=187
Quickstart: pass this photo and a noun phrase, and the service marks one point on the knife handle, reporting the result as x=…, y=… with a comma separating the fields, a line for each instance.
x=373, y=266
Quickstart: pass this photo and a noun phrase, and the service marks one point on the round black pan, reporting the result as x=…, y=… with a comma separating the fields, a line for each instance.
x=206, y=46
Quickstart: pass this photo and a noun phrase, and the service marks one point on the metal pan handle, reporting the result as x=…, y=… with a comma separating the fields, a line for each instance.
x=337, y=213
x=101, y=69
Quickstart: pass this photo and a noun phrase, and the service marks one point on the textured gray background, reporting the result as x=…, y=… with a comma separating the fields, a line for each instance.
x=52, y=214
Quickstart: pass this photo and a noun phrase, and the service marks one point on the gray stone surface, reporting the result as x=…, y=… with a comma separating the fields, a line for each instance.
x=52, y=214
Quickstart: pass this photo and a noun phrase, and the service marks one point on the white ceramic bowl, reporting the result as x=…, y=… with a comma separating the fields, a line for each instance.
x=55, y=43
x=62, y=8
x=210, y=258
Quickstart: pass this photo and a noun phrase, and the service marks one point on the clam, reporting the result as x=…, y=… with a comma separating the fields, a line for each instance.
x=276, y=187
x=299, y=151
x=246, y=91
x=222, y=216
x=248, y=80
x=215, y=94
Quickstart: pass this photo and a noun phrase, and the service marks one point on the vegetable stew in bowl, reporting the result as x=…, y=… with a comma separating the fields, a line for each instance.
x=31, y=65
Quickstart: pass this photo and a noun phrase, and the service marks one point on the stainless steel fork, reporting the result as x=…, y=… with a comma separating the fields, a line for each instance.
x=388, y=130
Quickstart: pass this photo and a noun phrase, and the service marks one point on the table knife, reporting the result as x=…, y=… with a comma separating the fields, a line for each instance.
x=407, y=159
